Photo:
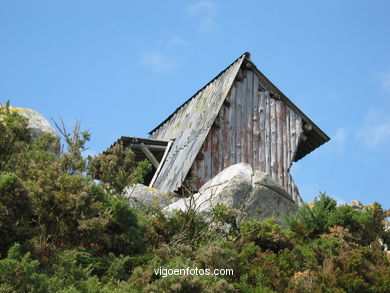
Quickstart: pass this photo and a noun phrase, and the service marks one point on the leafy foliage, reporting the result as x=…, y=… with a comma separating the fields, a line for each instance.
x=116, y=168
x=48, y=201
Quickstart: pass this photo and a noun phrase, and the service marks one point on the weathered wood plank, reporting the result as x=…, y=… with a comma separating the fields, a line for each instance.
x=284, y=143
x=244, y=121
x=256, y=124
x=222, y=149
x=274, y=151
x=238, y=127
x=207, y=160
x=267, y=148
x=232, y=125
x=293, y=135
x=249, y=113
x=279, y=142
x=214, y=137
x=288, y=147
x=262, y=121
x=201, y=167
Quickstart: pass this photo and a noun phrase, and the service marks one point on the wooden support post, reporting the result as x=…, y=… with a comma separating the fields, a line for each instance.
x=161, y=163
x=149, y=155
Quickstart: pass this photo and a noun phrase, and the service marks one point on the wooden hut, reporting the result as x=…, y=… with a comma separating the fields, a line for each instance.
x=239, y=116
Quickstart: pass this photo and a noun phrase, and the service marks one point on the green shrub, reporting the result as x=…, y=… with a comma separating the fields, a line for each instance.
x=310, y=222
x=20, y=273
x=15, y=211
x=116, y=168
x=265, y=234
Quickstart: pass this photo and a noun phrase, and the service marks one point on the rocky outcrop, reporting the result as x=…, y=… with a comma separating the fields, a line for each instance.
x=356, y=204
x=253, y=193
x=37, y=123
x=143, y=197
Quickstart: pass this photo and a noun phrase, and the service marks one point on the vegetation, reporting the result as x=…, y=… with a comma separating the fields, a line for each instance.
x=61, y=231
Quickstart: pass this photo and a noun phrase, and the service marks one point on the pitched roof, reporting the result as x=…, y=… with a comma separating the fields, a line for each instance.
x=189, y=125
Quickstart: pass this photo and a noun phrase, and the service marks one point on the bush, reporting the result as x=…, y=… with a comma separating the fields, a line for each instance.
x=48, y=200
x=116, y=168
x=15, y=211
x=265, y=234
x=20, y=273
x=310, y=222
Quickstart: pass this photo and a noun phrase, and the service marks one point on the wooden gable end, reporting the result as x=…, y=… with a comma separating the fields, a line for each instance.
x=253, y=127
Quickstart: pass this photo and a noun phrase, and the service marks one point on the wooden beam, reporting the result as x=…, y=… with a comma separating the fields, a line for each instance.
x=149, y=155
x=161, y=163
x=160, y=148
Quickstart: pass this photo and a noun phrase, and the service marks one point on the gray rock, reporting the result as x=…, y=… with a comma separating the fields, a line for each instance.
x=141, y=196
x=37, y=123
x=253, y=194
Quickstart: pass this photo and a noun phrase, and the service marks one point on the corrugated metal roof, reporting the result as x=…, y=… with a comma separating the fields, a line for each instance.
x=189, y=126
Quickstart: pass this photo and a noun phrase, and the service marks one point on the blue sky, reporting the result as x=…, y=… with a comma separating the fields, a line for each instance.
x=121, y=67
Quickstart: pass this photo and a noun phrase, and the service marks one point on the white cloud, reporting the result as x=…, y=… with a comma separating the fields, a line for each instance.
x=162, y=58
x=205, y=11
x=375, y=130
x=386, y=82
x=158, y=62
x=201, y=7
x=340, y=137
x=176, y=41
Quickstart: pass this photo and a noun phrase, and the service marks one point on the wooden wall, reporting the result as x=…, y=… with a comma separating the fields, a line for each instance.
x=255, y=128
